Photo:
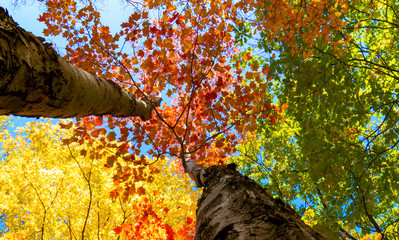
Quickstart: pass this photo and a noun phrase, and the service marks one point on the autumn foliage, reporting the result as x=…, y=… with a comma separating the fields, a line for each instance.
x=303, y=94
x=66, y=194
x=181, y=51
x=334, y=63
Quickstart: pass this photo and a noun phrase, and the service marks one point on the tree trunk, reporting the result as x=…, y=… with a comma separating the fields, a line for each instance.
x=35, y=81
x=233, y=206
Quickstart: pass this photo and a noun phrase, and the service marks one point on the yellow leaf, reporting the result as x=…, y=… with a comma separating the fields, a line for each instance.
x=187, y=46
x=135, y=60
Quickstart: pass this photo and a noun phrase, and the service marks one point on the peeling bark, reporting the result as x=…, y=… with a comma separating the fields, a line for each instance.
x=233, y=206
x=36, y=82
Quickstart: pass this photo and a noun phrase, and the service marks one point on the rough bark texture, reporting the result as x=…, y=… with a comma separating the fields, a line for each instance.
x=233, y=206
x=35, y=81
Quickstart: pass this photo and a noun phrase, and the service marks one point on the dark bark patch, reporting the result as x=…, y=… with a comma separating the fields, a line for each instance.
x=233, y=206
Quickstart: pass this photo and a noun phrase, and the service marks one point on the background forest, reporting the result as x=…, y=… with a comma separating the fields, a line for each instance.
x=301, y=95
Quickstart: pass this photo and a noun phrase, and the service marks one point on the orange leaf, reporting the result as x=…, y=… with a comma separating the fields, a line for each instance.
x=272, y=120
x=111, y=136
x=141, y=191
x=118, y=230
x=219, y=144
x=83, y=152
x=340, y=52
x=246, y=57
x=110, y=161
x=189, y=220
x=66, y=126
x=114, y=194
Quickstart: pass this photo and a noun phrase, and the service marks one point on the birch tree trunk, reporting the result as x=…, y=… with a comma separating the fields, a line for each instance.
x=233, y=206
x=35, y=81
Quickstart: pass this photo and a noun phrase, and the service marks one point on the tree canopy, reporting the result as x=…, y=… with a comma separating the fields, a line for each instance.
x=53, y=191
x=302, y=95
x=334, y=64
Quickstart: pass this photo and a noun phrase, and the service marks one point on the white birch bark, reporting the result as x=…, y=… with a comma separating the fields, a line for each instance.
x=233, y=206
x=35, y=81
